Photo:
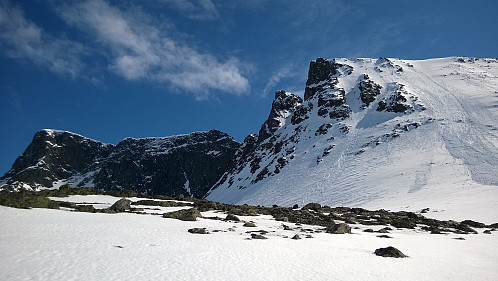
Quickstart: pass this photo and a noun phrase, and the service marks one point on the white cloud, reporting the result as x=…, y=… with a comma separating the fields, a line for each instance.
x=134, y=46
x=283, y=72
x=23, y=39
x=138, y=49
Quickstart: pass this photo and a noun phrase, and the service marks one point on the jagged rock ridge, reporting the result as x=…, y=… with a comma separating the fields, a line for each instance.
x=187, y=164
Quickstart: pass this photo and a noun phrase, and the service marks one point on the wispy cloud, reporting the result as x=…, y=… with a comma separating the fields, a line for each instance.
x=138, y=49
x=22, y=39
x=194, y=9
x=275, y=78
x=132, y=44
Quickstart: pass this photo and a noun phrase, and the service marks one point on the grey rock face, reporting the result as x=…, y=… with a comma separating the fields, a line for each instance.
x=369, y=90
x=322, y=74
x=397, y=101
x=188, y=164
x=283, y=105
x=54, y=155
x=321, y=87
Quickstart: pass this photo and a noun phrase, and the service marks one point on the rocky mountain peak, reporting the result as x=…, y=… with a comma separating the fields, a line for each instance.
x=284, y=105
x=185, y=164
x=322, y=74
x=53, y=155
x=319, y=71
x=323, y=91
x=358, y=120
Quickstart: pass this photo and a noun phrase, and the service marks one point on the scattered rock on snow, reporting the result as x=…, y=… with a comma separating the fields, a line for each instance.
x=121, y=205
x=312, y=206
x=390, y=252
x=403, y=223
x=384, y=230
x=463, y=227
x=86, y=208
x=249, y=224
x=257, y=236
x=231, y=217
x=184, y=215
x=340, y=228
x=296, y=237
x=473, y=223
x=197, y=230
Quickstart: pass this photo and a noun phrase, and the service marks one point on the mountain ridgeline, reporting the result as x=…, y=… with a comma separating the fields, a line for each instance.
x=366, y=128
x=188, y=164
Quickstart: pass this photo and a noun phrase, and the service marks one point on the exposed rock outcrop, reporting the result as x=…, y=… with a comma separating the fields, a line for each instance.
x=321, y=87
x=390, y=252
x=187, y=164
x=284, y=105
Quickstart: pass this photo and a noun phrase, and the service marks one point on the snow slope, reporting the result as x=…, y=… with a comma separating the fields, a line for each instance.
x=442, y=153
x=43, y=244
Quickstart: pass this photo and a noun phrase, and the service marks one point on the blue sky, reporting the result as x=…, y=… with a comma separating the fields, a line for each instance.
x=114, y=69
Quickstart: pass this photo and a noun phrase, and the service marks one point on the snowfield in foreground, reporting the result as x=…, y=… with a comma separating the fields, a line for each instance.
x=42, y=244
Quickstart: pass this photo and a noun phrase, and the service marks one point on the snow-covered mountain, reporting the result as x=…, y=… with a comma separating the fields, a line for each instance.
x=368, y=132
x=186, y=164
x=371, y=131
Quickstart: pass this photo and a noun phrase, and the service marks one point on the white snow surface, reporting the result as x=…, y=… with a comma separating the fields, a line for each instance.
x=53, y=132
x=448, y=161
x=449, y=164
x=105, y=201
x=43, y=244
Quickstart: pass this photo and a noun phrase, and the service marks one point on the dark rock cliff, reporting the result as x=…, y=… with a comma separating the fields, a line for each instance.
x=283, y=105
x=188, y=164
x=54, y=155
